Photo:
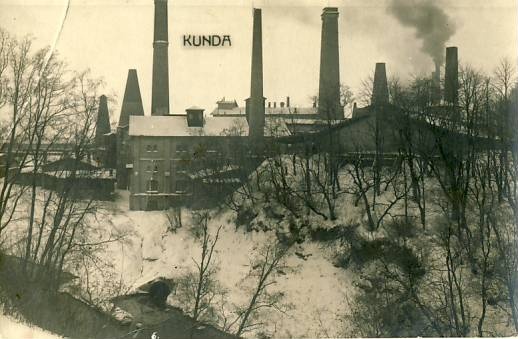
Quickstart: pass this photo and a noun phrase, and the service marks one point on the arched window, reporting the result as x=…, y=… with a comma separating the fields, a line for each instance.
x=152, y=185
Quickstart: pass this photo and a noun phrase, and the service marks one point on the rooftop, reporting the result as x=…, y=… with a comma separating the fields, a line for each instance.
x=176, y=126
x=303, y=112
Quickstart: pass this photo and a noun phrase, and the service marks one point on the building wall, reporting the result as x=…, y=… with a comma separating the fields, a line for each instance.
x=123, y=157
x=162, y=167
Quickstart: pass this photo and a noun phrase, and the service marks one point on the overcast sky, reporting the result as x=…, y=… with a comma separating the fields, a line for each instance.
x=112, y=36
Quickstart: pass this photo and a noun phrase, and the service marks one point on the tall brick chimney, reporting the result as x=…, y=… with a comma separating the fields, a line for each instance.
x=132, y=101
x=380, y=95
x=451, y=76
x=160, y=86
x=329, y=83
x=102, y=125
x=255, y=104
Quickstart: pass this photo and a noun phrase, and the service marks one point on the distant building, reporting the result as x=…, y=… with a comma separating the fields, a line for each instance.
x=80, y=179
x=296, y=119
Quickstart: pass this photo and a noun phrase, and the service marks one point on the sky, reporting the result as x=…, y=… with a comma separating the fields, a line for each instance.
x=111, y=36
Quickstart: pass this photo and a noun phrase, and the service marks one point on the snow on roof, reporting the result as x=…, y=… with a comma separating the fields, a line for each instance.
x=207, y=173
x=169, y=126
x=303, y=111
x=176, y=126
x=290, y=110
x=82, y=174
x=313, y=122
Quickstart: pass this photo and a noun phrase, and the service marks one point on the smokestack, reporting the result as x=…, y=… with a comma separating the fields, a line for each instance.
x=131, y=105
x=451, y=76
x=329, y=83
x=160, y=86
x=132, y=101
x=102, y=125
x=287, y=101
x=380, y=94
x=255, y=104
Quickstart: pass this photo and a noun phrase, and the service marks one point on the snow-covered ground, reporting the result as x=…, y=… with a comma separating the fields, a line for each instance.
x=14, y=329
x=315, y=288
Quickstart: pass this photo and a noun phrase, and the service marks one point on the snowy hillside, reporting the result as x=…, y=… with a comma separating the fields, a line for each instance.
x=11, y=328
x=315, y=288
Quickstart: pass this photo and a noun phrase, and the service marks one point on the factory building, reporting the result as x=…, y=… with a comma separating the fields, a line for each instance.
x=168, y=158
x=189, y=158
x=192, y=158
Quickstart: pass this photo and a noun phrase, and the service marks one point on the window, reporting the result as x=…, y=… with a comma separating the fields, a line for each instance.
x=152, y=185
x=152, y=167
x=182, y=186
x=182, y=165
x=181, y=147
x=213, y=149
x=151, y=148
x=199, y=151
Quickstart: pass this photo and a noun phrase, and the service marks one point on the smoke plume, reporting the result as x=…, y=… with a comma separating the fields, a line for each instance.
x=432, y=24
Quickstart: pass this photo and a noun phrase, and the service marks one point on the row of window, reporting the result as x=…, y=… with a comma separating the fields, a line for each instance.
x=152, y=168
x=180, y=165
x=151, y=148
x=180, y=148
x=181, y=186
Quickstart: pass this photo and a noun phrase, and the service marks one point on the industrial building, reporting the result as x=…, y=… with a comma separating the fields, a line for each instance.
x=169, y=159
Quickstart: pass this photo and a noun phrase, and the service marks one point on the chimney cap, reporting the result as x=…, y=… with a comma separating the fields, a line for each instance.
x=195, y=108
x=330, y=10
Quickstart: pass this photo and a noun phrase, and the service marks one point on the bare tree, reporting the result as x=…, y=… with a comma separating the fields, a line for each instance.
x=174, y=218
x=18, y=73
x=264, y=270
x=199, y=289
